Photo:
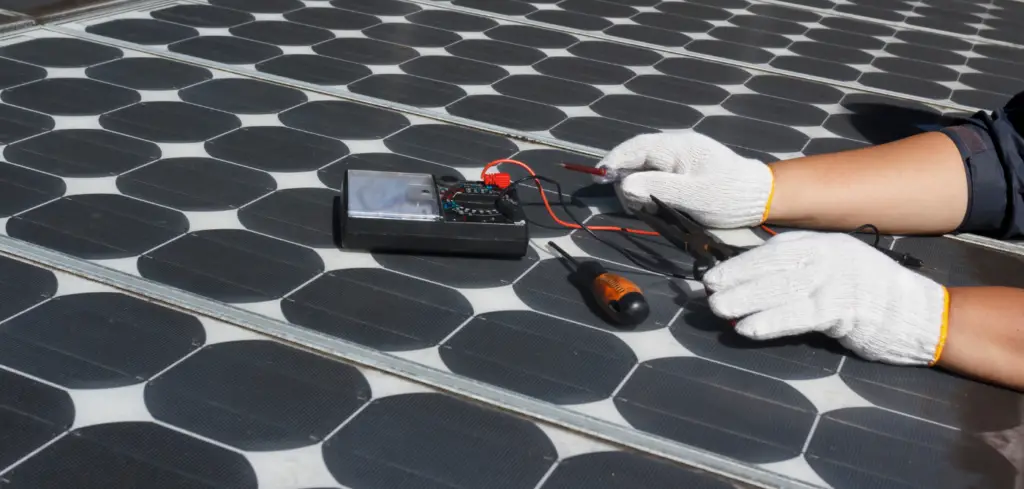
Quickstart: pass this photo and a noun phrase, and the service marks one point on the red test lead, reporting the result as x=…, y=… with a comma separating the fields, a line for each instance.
x=585, y=169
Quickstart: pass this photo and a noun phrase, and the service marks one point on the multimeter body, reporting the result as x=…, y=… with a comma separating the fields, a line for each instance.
x=420, y=213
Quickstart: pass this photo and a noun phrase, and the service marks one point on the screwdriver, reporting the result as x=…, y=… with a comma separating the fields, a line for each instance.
x=619, y=298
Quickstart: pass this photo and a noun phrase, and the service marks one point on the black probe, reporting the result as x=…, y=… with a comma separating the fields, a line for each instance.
x=619, y=298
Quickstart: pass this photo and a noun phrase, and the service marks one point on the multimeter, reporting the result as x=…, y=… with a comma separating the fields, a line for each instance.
x=420, y=213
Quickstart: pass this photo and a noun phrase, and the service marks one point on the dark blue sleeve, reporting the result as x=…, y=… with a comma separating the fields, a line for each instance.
x=993, y=153
x=1014, y=113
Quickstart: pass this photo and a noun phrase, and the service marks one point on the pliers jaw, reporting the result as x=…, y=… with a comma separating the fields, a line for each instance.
x=688, y=235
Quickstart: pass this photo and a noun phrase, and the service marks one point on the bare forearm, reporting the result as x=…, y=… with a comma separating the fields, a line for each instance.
x=916, y=185
x=985, y=339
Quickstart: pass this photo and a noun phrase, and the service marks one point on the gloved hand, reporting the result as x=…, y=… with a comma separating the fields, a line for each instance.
x=799, y=282
x=693, y=173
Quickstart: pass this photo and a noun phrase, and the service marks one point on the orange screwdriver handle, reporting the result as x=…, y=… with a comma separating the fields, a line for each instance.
x=620, y=299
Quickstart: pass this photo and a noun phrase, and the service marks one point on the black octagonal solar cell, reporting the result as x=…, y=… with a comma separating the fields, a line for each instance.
x=202, y=16
x=219, y=264
x=349, y=304
x=412, y=35
x=281, y=33
x=496, y=52
x=22, y=286
x=226, y=49
x=172, y=122
x=16, y=123
x=333, y=175
x=450, y=145
x=459, y=271
x=98, y=226
x=753, y=134
x=865, y=439
x=366, y=51
x=14, y=73
x=312, y=68
x=34, y=413
x=148, y=73
x=610, y=52
x=300, y=215
x=508, y=112
x=196, y=184
x=431, y=440
x=451, y=69
x=82, y=153
x=276, y=149
x=24, y=189
x=934, y=395
x=548, y=90
x=388, y=8
x=89, y=458
x=60, y=52
x=409, y=90
x=332, y=18
x=675, y=89
x=91, y=341
x=143, y=31
x=452, y=21
x=626, y=470
x=258, y=395
x=70, y=96
x=260, y=6
x=243, y=96
x=540, y=356
x=598, y=132
x=702, y=404
x=344, y=120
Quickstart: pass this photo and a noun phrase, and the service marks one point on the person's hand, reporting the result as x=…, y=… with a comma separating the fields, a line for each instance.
x=800, y=282
x=693, y=173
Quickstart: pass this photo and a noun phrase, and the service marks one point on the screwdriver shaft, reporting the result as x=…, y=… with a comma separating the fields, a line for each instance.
x=564, y=254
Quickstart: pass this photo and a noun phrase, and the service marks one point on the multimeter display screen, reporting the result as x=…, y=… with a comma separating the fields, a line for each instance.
x=392, y=195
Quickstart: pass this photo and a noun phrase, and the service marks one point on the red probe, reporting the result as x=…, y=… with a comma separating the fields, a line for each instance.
x=584, y=169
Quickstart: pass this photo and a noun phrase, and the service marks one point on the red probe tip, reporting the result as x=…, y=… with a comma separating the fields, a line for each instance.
x=585, y=169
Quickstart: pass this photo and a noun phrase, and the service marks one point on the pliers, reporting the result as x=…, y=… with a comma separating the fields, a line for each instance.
x=707, y=251
x=686, y=234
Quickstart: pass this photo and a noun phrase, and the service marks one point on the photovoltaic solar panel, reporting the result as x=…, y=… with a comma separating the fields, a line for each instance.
x=201, y=169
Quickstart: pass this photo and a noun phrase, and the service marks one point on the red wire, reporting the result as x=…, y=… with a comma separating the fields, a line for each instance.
x=555, y=217
x=551, y=211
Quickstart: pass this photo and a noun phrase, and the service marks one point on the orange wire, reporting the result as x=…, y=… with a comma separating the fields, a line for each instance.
x=551, y=211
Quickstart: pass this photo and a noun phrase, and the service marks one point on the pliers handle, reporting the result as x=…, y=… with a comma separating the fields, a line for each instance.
x=686, y=234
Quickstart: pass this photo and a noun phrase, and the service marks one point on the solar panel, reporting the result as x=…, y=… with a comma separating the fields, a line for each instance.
x=101, y=388
x=192, y=170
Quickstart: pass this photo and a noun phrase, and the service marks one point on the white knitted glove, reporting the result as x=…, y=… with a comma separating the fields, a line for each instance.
x=799, y=282
x=693, y=173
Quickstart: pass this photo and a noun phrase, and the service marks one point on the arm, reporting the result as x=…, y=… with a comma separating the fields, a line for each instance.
x=915, y=185
x=985, y=338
